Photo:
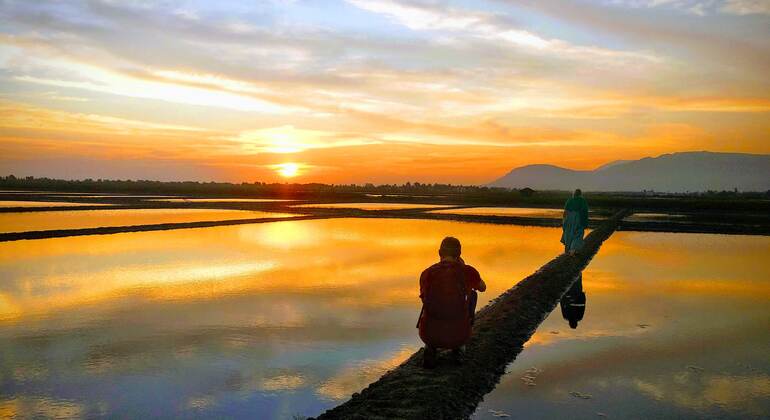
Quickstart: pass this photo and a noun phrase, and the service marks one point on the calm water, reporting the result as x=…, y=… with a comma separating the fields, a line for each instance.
x=506, y=211
x=675, y=326
x=371, y=206
x=513, y=211
x=19, y=203
x=284, y=318
x=658, y=217
x=47, y=220
x=264, y=320
x=221, y=200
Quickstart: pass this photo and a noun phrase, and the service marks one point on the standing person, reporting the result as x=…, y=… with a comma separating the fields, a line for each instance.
x=574, y=222
x=447, y=290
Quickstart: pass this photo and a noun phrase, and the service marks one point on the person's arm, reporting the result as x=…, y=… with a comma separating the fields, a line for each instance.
x=482, y=285
x=423, y=281
x=476, y=282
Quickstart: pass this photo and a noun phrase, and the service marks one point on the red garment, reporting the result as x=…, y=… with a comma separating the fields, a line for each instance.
x=448, y=334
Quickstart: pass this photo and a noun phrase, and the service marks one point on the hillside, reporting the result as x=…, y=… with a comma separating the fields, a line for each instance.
x=676, y=172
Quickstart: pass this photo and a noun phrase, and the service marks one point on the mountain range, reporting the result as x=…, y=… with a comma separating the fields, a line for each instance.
x=675, y=172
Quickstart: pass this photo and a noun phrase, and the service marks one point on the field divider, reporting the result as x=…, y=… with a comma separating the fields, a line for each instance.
x=501, y=329
x=109, y=230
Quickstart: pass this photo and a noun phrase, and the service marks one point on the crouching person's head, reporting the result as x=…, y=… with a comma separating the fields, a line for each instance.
x=450, y=248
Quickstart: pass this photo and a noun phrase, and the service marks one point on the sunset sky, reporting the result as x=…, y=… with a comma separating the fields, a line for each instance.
x=375, y=91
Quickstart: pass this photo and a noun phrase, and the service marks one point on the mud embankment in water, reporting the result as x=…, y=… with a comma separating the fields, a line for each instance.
x=501, y=329
x=63, y=233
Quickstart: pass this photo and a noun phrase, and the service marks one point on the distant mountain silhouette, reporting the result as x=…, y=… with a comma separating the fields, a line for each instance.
x=676, y=172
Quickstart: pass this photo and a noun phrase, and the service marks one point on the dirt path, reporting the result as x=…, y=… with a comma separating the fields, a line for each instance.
x=501, y=329
x=62, y=233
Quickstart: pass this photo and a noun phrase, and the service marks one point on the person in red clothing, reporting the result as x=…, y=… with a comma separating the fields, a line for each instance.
x=448, y=292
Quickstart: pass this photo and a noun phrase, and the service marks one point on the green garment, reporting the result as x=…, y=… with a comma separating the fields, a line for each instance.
x=572, y=231
x=579, y=205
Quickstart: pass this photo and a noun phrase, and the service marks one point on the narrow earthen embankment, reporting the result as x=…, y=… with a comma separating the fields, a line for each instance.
x=501, y=329
x=62, y=233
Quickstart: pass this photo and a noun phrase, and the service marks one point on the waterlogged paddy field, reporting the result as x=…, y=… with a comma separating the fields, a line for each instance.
x=262, y=321
x=80, y=219
x=221, y=200
x=512, y=211
x=20, y=203
x=371, y=206
x=290, y=318
x=675, y=326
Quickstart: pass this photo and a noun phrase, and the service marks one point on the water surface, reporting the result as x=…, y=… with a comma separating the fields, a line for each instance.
x=221, y=200
x=675, y=326
x=21, y=203
x=48, y=220
x=533, y=212
x=371, y=206
x=261, y=321
x=505, y=211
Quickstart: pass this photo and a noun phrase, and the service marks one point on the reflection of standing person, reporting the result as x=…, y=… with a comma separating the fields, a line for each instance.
x=573, y=303
x=574, y=222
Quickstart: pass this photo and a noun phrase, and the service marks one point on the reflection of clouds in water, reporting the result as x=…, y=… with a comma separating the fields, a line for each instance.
x=29, y=372
x=701, y=391
x=282, y=383
x=58, y=291
x=200, y=403
x=281, y=235
x=36, y=407
x=360, y=374
x=281, y=314
x=8, y=309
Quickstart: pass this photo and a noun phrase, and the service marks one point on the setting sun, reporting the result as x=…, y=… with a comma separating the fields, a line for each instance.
x=287, y=170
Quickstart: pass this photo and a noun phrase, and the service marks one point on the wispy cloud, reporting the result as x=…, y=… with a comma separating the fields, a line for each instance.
x=255, y=84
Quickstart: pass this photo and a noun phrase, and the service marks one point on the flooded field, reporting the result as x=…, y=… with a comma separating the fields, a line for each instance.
x=512, y=211
x=649, y=217
x=290, y=318
x=371, y=206
x=221, y=200
x=263, y=320
x=674, y=326
x=505, y=211
x=48, y=220
x=19, y=203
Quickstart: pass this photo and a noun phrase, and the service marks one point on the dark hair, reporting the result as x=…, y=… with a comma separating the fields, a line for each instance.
x=578, y=193
x=450, y=247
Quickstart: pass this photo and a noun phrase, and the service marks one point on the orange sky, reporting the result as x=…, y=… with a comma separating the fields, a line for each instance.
x=374, y=90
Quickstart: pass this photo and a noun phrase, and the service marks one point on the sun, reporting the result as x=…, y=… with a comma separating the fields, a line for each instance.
x=287, y=170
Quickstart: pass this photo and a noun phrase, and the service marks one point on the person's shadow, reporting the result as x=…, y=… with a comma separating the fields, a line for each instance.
x=573, y=303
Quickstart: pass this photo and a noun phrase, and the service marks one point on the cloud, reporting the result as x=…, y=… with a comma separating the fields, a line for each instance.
x=288, y=139
x=746, y=7
x=234, y=90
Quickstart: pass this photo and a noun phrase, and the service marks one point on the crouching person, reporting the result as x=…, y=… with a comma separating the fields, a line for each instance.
x=448, y=292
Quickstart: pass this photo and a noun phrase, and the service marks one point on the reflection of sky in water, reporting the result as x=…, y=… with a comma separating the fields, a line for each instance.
x=505, y=211
x=21, y=222
x=509, y=211
x=264, y=320
x=11, y=203
x=675, y=326
x=650, y=217
x=221, y=200
x=371, y=206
